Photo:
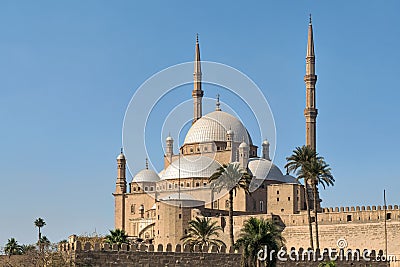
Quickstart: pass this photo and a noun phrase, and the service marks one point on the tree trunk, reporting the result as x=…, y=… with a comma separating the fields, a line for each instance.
x=309, y=214
x=316, y=214
x=231, y=218
x=39, y=241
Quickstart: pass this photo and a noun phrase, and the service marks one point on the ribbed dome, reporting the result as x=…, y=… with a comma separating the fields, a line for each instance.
x=214, y=126
x=191, y=166
x=146, y=176
x=265, y=169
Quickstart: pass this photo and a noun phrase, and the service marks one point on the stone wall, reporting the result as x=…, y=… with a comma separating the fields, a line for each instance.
x=143, y=255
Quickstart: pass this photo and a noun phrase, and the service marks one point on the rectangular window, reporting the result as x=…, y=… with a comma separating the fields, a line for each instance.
x=180, y=216
x=261, y=205
x=215, y=204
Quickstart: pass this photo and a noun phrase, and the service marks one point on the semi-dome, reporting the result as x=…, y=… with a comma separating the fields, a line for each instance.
x=176, y=196
x=264, y=169
x=214, y=127
x=191, y=166
x=146, y=176
x=290, y=179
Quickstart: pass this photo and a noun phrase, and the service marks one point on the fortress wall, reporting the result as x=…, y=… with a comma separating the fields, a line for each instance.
x=339, y=215
x=149, y=256
x=366, y=232
x=357, y=235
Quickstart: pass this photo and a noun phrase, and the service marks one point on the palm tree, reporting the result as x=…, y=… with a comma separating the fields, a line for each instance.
x=317, y=172
x=117, y=236
x=302, y=156
x=230, y=177
x=202, y=232
x=12, y=247
x=39, y=223
x=254, y=236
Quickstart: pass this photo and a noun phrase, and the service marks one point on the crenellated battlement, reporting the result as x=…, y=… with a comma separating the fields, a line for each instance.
x=78, y=246
x=360, y=208
x=340, y=215
x=101, y=254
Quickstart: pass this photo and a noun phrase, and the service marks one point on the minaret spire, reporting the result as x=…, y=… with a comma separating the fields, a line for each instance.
x=218, y=104
x=197, y=92
x=311, y=112
x=310, y=79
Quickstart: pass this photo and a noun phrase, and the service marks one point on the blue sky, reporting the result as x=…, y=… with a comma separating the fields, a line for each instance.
x=68, y=70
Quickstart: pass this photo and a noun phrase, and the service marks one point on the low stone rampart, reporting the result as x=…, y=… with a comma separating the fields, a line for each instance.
x=144, y=255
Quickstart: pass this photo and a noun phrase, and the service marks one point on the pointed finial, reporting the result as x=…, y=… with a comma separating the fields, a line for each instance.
x=122, y=150
x=218, y=108
x=197, y=37
x=147, y=163
x=310, y=19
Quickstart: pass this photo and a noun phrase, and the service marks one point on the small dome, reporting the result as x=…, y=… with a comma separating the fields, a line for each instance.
x=265, y=169
x=191, y=166
x=121, y=156
x=265, y=142
x=243, y=145
x=230, y=132
x=146, y=176
x=169, y=138
x=214, y=126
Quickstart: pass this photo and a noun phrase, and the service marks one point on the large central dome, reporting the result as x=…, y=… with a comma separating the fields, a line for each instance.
x=214, y=126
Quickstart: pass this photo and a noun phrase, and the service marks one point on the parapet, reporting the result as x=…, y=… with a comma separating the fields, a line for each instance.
x=360, y=208
x=78, y=246
x=291, y=255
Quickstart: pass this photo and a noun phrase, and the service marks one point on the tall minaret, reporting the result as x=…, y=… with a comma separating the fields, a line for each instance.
x=197, y=93
x=310, y=112
x=120, y=191
x=121, y=174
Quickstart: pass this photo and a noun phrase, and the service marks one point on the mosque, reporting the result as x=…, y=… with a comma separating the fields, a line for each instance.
x=156, y=207
x=214, y=139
